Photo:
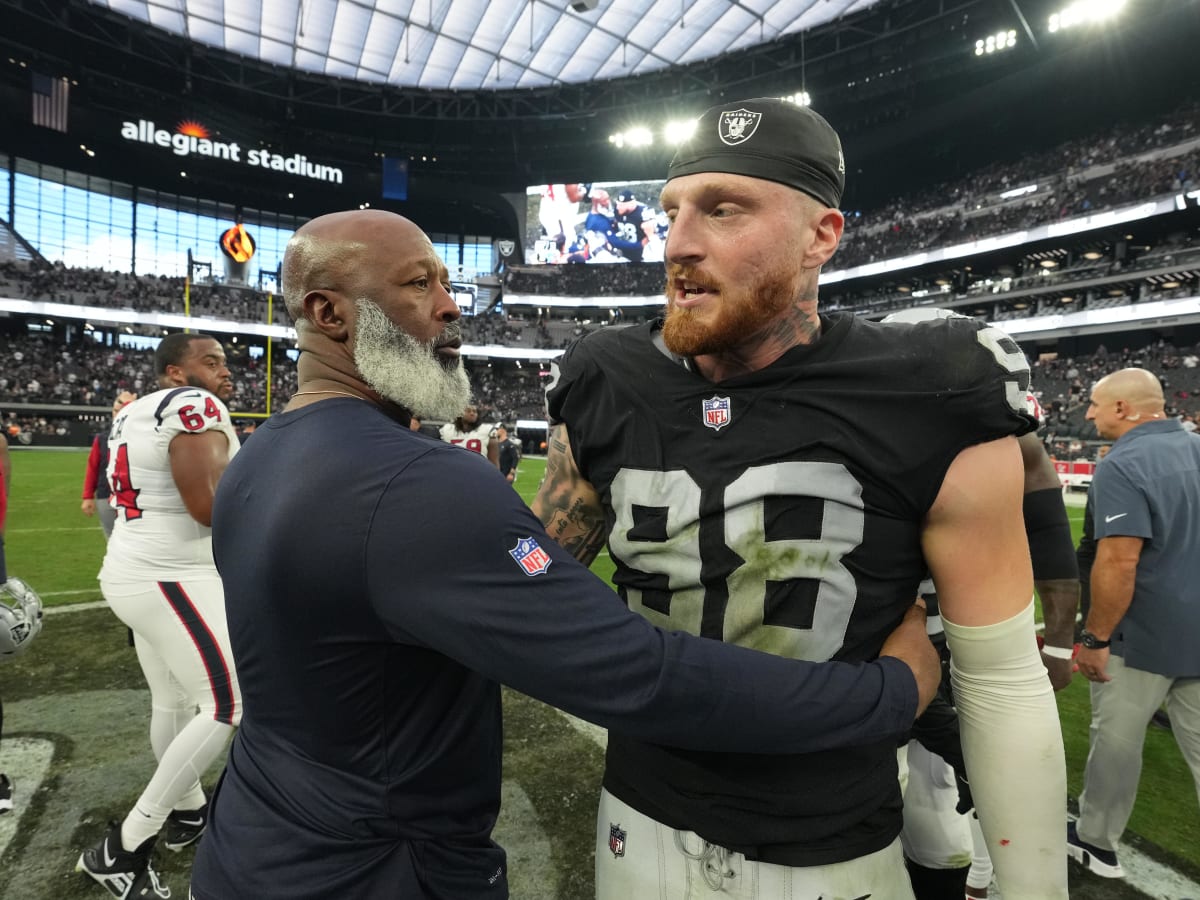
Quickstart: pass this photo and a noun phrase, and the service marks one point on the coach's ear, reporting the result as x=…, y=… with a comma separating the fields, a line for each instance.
x=328, y=311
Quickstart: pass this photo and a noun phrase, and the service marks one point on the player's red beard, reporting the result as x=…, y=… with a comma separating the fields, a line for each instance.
x=741, y=312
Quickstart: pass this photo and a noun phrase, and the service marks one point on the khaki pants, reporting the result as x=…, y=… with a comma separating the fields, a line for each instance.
x=1121, y=710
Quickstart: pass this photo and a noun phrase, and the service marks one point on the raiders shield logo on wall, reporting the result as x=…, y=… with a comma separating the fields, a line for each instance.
x=737, y=126
x=616, y=840
x=506, y=248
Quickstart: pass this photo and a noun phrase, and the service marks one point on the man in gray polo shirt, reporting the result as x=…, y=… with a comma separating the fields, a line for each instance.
x=1140, y=638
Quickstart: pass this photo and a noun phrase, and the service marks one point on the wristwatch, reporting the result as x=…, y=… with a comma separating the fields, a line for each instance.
x=1092, y=642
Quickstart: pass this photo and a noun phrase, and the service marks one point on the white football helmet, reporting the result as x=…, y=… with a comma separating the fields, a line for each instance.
x=20, y=617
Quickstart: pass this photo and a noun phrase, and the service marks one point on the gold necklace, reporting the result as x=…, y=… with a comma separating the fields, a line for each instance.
x=343, y=393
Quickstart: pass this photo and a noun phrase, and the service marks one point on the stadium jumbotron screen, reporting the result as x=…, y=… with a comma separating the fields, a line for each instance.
x=603, y=222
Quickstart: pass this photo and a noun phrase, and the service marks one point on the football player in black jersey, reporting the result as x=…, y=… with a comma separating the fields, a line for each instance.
x=379, y=585
x=770, y=476
x=632, y=227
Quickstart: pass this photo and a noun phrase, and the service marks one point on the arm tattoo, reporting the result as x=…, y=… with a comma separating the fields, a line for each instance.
x=567, y=505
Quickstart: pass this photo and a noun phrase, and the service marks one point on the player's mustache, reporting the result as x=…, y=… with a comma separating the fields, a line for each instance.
x=451, y=336
x=676, y=274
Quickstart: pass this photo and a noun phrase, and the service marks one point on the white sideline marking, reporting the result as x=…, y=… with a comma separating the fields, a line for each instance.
x=58, y=528
x=73, y=607
x=1153, y=877
x=26, y=762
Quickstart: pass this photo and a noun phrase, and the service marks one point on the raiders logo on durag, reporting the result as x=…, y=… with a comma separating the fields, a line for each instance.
x=737, y=126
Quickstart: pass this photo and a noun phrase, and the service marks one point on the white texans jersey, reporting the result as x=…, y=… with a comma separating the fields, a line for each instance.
x=154, y=536
x=474, y=439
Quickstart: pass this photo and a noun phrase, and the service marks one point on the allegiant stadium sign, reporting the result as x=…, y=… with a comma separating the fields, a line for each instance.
x=193, y=139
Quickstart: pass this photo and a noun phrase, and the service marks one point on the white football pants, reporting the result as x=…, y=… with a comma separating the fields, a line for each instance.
x=935, y=835
x=182, y=642
x=656, y=862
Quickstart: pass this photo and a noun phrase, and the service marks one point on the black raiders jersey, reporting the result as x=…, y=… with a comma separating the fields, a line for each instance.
x=780, y=510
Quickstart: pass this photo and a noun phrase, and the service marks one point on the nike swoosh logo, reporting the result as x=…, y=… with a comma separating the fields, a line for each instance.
x=108, y=860
x=1114, y=518
x=189, y=821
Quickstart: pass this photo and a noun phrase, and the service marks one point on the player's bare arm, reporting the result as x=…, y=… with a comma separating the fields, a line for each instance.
x=197, y=462
x=566, y=502
x=1060, y=600
x=1050, y=539
x=977, y=516
x=975, y=543
x=493, y=453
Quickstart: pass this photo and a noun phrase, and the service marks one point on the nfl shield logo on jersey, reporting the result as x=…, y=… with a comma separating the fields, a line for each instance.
x=737, y=125
x=532, y=558
x=616, y=840
x=716, y=413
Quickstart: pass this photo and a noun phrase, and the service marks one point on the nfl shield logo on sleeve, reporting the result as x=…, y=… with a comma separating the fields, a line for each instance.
x=716, y=413
x=531, y=557
x=616, y=840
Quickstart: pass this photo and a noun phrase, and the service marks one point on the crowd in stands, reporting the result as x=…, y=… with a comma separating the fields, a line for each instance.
x=57, y=283
x=1059, y=197
x=1180, y=252
x=606, y=279
x=40, y=371
x=1063, y=386
x=1075, y=178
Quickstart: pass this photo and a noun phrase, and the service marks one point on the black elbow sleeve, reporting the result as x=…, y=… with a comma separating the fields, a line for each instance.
x=1050, y=545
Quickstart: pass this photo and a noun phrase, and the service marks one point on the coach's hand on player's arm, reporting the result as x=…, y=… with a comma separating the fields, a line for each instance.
x=910, y=644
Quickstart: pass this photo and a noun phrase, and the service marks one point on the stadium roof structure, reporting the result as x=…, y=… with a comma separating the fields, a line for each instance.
x=482, y=45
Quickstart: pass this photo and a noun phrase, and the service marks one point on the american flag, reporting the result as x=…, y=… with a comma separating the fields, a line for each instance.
x=50, y=101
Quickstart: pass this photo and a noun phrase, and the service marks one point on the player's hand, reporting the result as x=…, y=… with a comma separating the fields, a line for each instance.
x=911, y=645
x=1093, y=664
x=88, y=507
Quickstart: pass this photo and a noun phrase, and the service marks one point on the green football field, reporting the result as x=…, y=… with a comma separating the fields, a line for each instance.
x=76, y=717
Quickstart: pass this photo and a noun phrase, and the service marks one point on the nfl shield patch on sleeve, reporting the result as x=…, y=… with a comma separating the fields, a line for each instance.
x=530, y=556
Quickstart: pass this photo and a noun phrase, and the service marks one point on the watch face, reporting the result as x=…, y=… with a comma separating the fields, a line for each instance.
x=1092, y=642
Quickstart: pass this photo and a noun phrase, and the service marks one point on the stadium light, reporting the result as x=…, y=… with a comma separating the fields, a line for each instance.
x=1001, y=40
x=800, y=98
x=679, y=131
x=1085, y=12
x=633, y=137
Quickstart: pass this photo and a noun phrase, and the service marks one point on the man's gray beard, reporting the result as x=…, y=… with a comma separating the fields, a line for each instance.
x=404, y=370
